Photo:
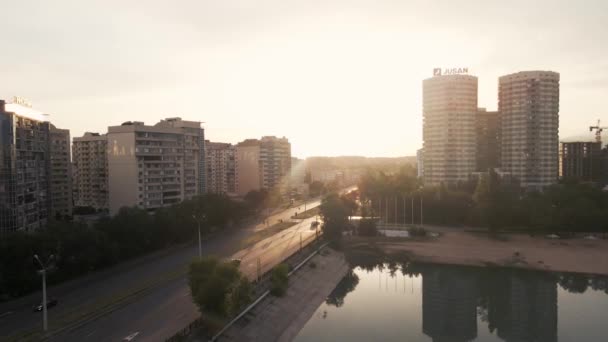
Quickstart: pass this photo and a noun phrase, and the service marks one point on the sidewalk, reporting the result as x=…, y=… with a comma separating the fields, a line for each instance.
x=280, y=319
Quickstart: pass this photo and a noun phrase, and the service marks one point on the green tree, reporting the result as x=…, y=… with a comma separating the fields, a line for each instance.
x=335, y=216
x=218, y=287
x=367, y=227
x=279, y=280
x=316, y=188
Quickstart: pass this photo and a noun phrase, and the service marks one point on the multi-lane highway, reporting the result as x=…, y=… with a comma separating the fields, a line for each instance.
x=169, y=308
x=147, y=299
x=162, y=304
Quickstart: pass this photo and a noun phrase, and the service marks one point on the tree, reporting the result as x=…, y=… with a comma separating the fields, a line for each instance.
x=316, y=188
x=279, y=280
x=367, y=227
x=335, y=216
x=218, y=287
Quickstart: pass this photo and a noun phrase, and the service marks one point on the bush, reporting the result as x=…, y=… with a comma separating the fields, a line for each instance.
x=417, y=231
x=279, y=280
x=367, y=227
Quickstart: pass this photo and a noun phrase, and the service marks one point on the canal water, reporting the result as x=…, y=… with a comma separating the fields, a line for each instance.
x=392, y=302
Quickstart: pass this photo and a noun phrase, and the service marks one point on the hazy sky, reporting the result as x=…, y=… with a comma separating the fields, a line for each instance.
x=334, y=76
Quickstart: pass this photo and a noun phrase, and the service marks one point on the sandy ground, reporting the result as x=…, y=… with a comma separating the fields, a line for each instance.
x=464, y=248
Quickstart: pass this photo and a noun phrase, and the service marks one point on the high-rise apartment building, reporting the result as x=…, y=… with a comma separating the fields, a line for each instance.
x=487, y=135
x=155, y=166
x=60, y=173
x=581, y=160
x=90, y=171
x=528, y=103
x=221, y=168
x=263, y=164
x=449, y=110
x=34, y=168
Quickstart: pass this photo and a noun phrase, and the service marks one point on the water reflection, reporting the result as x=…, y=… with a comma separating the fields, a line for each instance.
x=456, y=304
x=449, y=304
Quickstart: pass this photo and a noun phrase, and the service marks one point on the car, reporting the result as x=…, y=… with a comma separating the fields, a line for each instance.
x=49, y=304
x=236, y=262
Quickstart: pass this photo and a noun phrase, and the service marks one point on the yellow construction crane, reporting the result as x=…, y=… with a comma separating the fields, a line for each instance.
x=598, y=131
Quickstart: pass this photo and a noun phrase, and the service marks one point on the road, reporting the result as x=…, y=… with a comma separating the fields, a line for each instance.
x=165, y=305
x=169, y=308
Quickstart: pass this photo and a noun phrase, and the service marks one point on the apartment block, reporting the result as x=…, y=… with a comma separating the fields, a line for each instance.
x=34, y=168
x=487, y=140
x=263, y=164
x=528, y=103
x=449, y=110
x=581, y=160
x=90, y=171
x=221, y=168
x=155, y=166
x=60, y=173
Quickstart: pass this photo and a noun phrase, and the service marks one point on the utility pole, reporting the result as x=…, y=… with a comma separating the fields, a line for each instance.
x=42, y=271
x=421, y=224
x=412, y=210
x=200, y=246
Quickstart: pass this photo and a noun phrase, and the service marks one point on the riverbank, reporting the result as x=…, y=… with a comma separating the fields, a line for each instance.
x=512, y=250
x=280, y=319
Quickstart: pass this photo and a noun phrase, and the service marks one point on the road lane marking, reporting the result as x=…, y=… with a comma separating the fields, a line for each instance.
x=6, y=313
x=131, y=337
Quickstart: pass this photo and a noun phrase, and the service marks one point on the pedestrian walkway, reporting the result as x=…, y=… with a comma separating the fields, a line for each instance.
x=280, y=319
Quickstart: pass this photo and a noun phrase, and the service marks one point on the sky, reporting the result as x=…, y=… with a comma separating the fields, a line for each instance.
x=336, y=77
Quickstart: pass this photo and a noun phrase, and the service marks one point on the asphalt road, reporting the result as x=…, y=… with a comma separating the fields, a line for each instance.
x=166, y=306
x=169, y=308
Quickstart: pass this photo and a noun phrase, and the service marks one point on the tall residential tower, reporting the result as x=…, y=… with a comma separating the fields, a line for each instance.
x=34, y=169
x=449, y=109
x=90, y=168
x=528, y=103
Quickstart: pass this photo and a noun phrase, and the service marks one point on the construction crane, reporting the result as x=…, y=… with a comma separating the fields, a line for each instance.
x=598, y=131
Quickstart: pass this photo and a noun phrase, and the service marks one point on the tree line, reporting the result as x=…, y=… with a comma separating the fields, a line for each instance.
x=488, y=201
x=80, y=248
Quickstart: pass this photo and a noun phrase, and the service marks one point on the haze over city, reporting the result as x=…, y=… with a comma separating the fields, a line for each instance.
x=346, y=72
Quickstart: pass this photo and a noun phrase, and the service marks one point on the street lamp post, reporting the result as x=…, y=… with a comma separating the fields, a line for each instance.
x=42, y=271
x=200, y=247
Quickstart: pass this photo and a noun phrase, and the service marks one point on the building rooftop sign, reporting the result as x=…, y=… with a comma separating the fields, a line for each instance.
x=450, y=71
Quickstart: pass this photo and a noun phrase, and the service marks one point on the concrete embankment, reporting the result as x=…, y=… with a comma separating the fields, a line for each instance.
x=280, y=319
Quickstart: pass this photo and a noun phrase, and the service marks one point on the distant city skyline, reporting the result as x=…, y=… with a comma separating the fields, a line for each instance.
x=336, y=77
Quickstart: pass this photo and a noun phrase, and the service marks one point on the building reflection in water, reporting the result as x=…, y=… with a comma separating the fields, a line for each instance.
x=449, y=305
x=517, y=306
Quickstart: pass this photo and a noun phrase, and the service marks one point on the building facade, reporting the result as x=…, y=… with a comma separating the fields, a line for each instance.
x=90, y=171
x=60, y=175
x=155, y=166
x=34, y=169
x=528, y=103
x=420, y=163
x=487, y=135
x=263, y=164
x=221, y=168
x=581, y=160
x=449, y=110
